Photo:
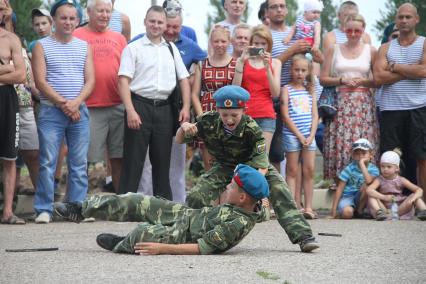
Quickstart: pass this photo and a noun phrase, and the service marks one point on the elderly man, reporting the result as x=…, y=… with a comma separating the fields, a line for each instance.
x=105, y=105
x=12, y=71
x=147, y=77
x=240, y=39
x=64, y=74
x=191, y=54
x=401, y=70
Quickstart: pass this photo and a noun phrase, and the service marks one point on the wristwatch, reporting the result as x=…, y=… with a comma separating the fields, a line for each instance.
x=392, y=67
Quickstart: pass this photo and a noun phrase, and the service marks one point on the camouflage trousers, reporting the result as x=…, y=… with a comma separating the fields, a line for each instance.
x=162, y=221
x=211, y=184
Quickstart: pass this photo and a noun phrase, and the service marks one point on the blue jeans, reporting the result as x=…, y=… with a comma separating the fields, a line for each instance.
x=53, y=126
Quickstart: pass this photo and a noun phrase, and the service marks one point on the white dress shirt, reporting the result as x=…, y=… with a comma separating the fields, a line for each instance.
x=151, y=68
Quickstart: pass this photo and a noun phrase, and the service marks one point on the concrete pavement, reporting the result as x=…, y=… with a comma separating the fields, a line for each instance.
x=368, y=252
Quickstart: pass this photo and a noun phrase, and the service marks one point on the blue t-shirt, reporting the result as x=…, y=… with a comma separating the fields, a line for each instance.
x=189, y=32
x=189, y=50
x=354, y=178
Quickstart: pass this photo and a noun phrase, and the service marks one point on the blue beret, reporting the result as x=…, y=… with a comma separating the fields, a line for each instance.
x=231, y=97
x=252, y=181
x=60, y=3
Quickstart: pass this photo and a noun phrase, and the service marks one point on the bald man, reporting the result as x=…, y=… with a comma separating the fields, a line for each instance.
x=401, y=69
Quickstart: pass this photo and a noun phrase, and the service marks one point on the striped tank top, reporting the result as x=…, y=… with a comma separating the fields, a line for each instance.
x=304, y=29
x=300, y=111
x=405, y=94
x=65, y=64
x=279, y=47
x=115, y=22
x=340, y=36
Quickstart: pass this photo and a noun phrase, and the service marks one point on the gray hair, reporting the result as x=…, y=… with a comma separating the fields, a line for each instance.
x=92, y=3
x=242, y=26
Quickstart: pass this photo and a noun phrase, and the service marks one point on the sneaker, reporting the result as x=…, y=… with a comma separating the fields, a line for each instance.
x=43, y=218
x=308, y=244
x=70, y=211
x=108, y=241
x=421, y=215
x=381, y=215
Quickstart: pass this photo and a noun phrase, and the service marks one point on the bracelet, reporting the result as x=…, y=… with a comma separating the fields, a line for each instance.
x=392, y=67
x=340, y=81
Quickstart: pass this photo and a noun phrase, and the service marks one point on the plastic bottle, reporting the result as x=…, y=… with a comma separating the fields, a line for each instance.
x=394, y=210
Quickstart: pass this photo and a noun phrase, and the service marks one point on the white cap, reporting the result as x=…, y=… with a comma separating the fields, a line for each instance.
x=363, y=144
x=313, y=5
x=390, y=157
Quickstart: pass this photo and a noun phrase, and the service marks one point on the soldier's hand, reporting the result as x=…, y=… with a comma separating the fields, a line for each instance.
x=148, y=248
x=189, y=128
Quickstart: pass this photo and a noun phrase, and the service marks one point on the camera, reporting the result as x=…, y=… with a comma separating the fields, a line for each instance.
x=256, y=51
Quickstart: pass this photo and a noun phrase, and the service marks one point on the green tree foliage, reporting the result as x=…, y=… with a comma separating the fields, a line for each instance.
x=218, y=14
x=22, y=9
x=292, y=11
x=328, y=16
x=388, y=16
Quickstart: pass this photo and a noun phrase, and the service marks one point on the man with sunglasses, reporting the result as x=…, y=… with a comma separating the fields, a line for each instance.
x=401, y=69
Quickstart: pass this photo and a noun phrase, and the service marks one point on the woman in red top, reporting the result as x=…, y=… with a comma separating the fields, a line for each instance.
x=216, y=71
x=260, y=76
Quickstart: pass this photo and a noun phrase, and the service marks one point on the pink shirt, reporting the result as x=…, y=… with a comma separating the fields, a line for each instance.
x=106, y=47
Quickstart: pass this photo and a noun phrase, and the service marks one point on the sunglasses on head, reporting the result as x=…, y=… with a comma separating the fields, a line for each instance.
x=361, y=145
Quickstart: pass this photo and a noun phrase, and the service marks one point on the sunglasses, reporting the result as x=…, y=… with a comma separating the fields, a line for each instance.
x=354, y=31
x=277, y=6
x=394, y=36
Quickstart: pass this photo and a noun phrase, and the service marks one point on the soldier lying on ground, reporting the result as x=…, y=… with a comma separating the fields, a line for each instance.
x=172, y=228
x=234, y=138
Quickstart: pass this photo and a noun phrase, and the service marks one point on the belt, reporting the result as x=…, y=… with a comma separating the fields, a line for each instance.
x=153, y=102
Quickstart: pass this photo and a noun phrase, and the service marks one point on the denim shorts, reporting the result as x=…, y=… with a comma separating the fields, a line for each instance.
x=292, y=144
x=266, y=124
x=348, y=200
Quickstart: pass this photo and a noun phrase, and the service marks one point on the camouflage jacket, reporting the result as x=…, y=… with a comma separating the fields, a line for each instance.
x=217, y=229
x=246, y=145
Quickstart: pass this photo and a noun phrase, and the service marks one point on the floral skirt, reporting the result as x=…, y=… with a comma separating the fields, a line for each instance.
x=355, y=119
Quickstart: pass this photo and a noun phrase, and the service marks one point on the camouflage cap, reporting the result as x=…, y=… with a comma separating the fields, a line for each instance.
x=251, y=181
x=231, y=97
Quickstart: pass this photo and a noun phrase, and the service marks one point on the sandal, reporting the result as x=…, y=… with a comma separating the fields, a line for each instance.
x=332, y=187
x=310, y=215
x=13, y=220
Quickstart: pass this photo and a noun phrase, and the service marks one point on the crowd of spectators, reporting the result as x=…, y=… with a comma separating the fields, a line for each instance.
x=87, y=91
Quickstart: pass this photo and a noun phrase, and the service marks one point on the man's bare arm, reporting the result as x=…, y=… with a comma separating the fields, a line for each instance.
x=382, y=74
x=160, y=248
x=413, y=71
x=17, y=76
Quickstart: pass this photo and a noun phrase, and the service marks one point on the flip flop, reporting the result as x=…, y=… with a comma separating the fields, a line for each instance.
x=310, y=215
x=13, y=220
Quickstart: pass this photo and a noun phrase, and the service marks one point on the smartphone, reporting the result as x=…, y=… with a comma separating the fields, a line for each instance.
x=255, y=51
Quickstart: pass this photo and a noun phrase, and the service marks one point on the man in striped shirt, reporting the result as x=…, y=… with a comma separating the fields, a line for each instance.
x=64, y=74
x=401, y=70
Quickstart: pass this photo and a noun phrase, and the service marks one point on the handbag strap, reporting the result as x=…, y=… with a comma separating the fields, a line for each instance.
x=333, y=60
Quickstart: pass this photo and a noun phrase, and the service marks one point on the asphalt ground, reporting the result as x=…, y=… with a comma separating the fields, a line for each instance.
x=367, y=252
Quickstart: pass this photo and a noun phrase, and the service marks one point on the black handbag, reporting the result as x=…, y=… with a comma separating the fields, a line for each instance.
x=175, y=99
x=327, y=103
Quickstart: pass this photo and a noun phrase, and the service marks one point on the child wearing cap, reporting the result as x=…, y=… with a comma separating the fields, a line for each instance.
x=389, y=186
x=41, y=22
x=350, y=194
x=308, y=27
x=232, y=138
x=172, y=228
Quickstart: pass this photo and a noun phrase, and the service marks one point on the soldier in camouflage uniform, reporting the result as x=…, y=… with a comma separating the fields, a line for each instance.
x=232, y=138
x=172, y=228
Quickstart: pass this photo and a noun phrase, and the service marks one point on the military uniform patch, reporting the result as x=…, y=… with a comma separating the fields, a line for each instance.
x=261, y=147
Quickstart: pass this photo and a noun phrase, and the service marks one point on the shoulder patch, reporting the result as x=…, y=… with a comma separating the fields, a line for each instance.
x=261, y=147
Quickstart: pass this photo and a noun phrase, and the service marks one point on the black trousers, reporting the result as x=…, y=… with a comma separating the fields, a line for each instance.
x=155, y=132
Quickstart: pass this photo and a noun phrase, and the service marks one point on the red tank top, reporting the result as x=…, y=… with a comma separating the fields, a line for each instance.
x=255, y=81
